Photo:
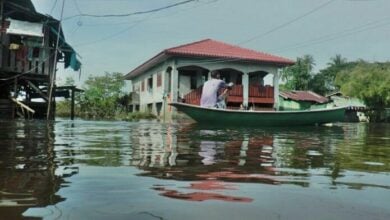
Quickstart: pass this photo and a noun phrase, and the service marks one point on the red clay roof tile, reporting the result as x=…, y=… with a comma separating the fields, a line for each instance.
x=212, y=49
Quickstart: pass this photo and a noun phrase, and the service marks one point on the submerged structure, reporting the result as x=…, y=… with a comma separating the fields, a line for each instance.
x=178, y=73
x=32, y=45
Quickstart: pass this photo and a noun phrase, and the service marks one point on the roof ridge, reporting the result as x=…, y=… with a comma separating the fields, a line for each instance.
x=187, y=44
x=252, y=50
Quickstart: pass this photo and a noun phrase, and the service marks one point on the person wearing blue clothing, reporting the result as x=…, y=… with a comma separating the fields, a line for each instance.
x=210, y=90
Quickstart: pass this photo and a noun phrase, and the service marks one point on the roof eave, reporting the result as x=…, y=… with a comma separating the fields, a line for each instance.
x=146, y=65
x=278, y=63
x=168, y=53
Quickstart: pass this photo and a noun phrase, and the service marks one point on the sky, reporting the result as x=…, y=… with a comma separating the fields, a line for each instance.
x=355, y=29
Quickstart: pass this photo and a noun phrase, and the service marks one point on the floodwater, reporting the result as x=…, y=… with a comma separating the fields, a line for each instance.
x=152, y=170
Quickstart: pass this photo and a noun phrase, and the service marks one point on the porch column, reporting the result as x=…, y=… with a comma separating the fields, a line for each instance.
x=245, y=87
x=276, y=88
x=174, y=83
x=199, y=78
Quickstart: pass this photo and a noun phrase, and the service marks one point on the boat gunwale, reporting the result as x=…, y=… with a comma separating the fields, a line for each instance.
x=175, y=104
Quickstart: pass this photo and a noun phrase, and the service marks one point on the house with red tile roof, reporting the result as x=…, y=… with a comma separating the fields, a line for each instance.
x=177, y=74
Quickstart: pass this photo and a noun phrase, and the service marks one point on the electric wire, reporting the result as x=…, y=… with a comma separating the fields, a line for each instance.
x=54, y=5
x=136, y=23
x=329, y=37
x=132, y=13
x=286, y=23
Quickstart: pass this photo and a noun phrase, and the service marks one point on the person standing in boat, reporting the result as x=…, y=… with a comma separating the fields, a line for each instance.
x=210, y=90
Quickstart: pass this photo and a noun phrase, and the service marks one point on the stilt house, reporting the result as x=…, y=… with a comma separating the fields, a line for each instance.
x=27, y=59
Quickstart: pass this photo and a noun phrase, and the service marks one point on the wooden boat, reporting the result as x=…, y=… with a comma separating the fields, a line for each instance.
x=216, y=116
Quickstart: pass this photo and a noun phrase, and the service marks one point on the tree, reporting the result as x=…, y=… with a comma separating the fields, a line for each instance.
x=101, y=95
x=297, y=76
x=369, y=82
x=328, y=75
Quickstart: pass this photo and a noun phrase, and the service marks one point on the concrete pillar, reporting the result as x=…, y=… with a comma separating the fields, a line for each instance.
x=174, y=83
x=276, y=88
x=245, y=87
x=199, y=78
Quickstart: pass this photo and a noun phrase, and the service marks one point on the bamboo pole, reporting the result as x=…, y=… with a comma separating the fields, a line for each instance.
x=72, y=105
x=23, y=106
x=53, y=75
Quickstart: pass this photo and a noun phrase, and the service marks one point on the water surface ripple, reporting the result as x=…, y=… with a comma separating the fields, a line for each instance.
x=152, y=170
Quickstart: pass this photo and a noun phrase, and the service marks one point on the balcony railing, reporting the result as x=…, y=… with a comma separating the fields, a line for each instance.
x=31, y=60
x=257, y=95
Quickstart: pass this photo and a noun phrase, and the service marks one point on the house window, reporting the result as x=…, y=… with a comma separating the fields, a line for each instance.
x=142, y=86
x=150, y=84
x=159, y=80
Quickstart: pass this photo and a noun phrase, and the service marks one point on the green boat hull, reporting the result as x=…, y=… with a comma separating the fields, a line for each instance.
x=215, y=116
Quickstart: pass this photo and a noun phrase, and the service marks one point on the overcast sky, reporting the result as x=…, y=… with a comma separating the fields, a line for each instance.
x=356, y=29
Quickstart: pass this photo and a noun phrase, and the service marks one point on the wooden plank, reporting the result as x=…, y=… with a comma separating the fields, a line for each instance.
x=36, y=89
x=12, y=63
x=5, y=52
x=26, y=65
x=44, y=53
x=23, y=105
x=38, y=62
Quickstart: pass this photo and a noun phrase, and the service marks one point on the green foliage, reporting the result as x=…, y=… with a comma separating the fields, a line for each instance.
x=100, y=96
x=318, y=84
x=369, y=82
x=301, y=77
x=325, y=78
x=63, y=108
x=297, y=77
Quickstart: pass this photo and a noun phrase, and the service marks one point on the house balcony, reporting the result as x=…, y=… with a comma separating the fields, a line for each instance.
x=16, y=61
x=258, y=97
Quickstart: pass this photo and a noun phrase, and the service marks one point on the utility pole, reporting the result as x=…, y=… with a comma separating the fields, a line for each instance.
x=53, y=75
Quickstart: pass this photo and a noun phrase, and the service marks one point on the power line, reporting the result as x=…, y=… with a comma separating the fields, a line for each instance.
x=112, y=35
x=136, y=23
x=77, y=6
x=132, y=13
x=286, y=23
x=163, y=16
x=52, y=8
x=329, y=37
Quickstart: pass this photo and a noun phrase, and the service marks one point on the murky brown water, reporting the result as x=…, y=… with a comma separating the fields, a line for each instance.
x=150, y=170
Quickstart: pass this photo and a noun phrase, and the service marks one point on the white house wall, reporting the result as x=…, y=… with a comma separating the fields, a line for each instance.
x=158, y=93
x=154, y=96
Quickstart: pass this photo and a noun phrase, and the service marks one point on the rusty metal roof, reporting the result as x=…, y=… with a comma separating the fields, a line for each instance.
x=304, y=96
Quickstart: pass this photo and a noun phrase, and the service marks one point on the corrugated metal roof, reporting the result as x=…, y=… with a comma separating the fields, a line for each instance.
x=209, y=48
x=304, y=96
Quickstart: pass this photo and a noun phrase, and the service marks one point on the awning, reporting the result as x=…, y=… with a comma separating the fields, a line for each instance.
x=25, y=28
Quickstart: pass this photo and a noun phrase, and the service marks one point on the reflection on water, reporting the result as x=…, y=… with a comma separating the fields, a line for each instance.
x=127, y=170
x=27, y=168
